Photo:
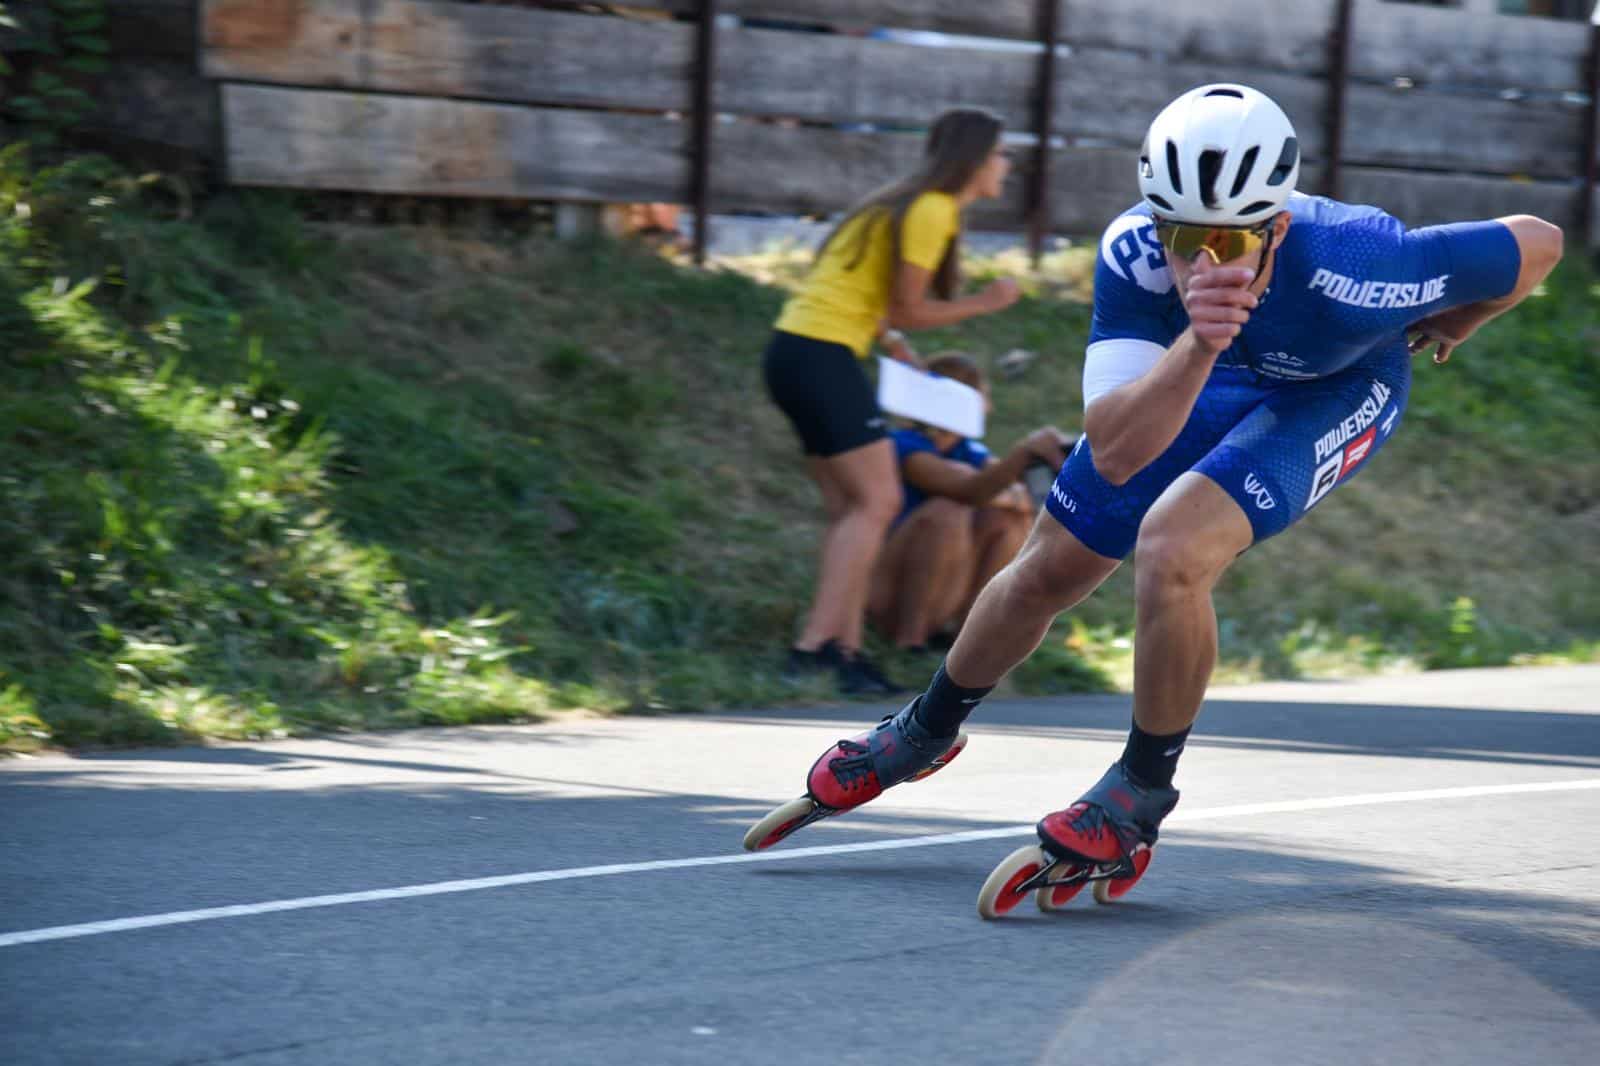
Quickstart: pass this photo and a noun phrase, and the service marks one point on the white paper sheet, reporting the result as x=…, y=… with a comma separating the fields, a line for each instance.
x=941, y=402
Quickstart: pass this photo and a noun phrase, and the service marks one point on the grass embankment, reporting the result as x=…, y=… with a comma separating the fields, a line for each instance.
x=266, y=477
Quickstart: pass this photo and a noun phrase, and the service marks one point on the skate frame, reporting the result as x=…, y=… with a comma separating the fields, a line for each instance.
x=1086, y=872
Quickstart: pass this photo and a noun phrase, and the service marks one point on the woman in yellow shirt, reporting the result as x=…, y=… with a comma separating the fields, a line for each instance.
x=893, y=263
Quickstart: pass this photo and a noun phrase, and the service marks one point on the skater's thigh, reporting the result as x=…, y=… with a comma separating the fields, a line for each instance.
x=1307, y=439
x=1105, y=517
x=1054, y=564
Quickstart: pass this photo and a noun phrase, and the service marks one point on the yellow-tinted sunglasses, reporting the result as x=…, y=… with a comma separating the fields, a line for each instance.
x=1221, y=243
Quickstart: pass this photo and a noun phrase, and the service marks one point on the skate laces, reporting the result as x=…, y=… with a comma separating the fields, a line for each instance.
x=1093, y=822
x=853, y=767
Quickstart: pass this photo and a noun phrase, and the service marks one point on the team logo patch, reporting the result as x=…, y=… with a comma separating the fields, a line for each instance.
x=1378, y=294
x=1339, y=464
x=1133, y=253
x=1258, y=492
x=1343, y=448
x=1064, y=501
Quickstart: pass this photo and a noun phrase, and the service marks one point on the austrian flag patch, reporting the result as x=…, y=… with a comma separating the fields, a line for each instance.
x=1357, y=450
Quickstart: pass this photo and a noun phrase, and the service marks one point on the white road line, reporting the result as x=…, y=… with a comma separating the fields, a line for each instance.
x=439, y=888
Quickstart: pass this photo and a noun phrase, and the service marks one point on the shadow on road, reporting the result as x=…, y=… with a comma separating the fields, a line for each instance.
x=1533, y=737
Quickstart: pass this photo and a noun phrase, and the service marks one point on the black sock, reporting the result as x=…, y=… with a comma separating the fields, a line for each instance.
x=946, y=704
x=1153, y=759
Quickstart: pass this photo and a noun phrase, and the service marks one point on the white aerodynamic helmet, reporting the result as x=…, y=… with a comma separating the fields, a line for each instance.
x=1221, y=155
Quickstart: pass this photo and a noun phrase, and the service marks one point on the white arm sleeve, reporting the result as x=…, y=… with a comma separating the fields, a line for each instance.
x=1109, y=365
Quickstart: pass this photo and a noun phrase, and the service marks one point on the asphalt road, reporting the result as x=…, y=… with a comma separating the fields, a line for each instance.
x=1389, y=871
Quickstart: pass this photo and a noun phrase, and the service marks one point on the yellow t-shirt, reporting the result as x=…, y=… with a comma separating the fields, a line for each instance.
x=844, y=305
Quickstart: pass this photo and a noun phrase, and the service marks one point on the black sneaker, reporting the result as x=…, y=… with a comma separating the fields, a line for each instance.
x=860, y=676
x=803, y=665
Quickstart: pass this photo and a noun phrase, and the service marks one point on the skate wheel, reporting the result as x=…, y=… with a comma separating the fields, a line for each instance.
x=999, y=894
x=1054, y=897
x=944, y=760
x=780, y=823
x=1116, y=887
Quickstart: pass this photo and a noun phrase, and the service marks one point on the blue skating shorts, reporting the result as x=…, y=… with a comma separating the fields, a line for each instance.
x=1277, y=448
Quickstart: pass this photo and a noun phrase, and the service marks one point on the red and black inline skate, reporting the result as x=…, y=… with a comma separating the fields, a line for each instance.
x=856, y=770
x=1105, y=839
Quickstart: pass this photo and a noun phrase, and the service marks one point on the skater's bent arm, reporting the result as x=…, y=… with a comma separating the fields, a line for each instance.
x=1131, y=425
x=1540, y=244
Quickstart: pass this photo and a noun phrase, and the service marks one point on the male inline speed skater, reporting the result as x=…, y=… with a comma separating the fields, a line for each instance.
x=1249, y=354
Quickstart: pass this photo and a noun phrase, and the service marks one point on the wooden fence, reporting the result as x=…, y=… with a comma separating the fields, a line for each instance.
x=1432, y=113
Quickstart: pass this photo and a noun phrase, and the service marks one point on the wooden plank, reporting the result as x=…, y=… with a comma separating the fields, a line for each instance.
x=518, y=55
x=1014, y=19
x=810, y=171
x=450, y=49
x=1248, y=36
x=337, y=140
x=1430, y=199
x=850, y=80
x=1440, y=131
x=1090, y=187
x=1112, y=95
x=320, y=139
x=1428, y=44
x=1383, y=127
x=1444, y=46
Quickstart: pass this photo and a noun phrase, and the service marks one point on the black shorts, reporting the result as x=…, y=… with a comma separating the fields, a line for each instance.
x=821, y=387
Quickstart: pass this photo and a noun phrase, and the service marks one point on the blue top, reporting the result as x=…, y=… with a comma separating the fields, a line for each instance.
x=1347, y=280
x=908, y=442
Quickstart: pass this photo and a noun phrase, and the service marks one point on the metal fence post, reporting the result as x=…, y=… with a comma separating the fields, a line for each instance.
x=703, y=118
x=1044, y=121
x=1338, y=79
x=1591, y=136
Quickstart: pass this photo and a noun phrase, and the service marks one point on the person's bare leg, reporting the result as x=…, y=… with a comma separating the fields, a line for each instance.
x=1052, y=572
x=998, y=535
x=834, y=507
x=833, y=497
x=884, y=583
x=1186, y=542
x=932, y=568
x=869, y=487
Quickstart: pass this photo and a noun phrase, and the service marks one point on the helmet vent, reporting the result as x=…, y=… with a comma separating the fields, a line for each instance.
x=1223, y=91
x=1244, y=170
x=1172, y=168
x=1210, y=169
x=1159, y=201
x=1286, y=161
x=1259, y=205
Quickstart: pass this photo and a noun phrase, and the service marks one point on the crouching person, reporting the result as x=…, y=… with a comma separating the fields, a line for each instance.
x=965, y=516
